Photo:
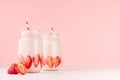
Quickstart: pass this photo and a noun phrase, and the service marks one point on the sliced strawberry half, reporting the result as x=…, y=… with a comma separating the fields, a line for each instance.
x=40, y=61
x=20, y=67
x=28, y=62
x=57, y=61
x=36, y=59
x=49, y=61
x=12, y=69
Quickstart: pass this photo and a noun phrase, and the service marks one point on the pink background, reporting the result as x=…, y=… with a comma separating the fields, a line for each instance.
x=89, y=29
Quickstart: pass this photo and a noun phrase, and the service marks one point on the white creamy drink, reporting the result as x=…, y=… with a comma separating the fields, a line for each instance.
x=29, y=50
x=37, y=49
x=26, y=43
x=56, y=50
x=26, y=46
x=51, y=50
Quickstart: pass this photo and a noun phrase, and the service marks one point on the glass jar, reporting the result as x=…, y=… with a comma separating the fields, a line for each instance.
x=51, y=50
x=29, y=50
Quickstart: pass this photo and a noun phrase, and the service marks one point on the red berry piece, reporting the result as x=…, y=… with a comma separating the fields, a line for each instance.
x=12, y=69
x=20, y=67
x=28, y=62
x=49, y=61
x=36, y=60
x=57, y=61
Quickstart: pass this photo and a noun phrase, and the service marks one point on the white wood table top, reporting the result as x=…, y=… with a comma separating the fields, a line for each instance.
x=66, y=74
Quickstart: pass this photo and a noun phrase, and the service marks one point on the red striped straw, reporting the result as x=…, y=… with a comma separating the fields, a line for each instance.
x=51, y=31
x=27, y=24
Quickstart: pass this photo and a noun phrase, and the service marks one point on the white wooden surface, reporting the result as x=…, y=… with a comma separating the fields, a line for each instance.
x=66, y=74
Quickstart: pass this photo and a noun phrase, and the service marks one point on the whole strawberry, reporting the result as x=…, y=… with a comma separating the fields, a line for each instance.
x=12, y=69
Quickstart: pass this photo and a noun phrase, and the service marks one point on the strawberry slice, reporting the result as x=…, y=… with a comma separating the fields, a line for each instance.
x=41, y=63
x=20, y=67
x=20, y=58
x=36, y=60
x=12, y=69
x=57, y=61
x=49, y=61
x=28, y=62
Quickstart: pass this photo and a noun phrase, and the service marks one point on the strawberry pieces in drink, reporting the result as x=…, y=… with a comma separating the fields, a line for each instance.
x=28, y=62
x=36, y=60
x=49, y=61
x=57, y=61
x=20, y=58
